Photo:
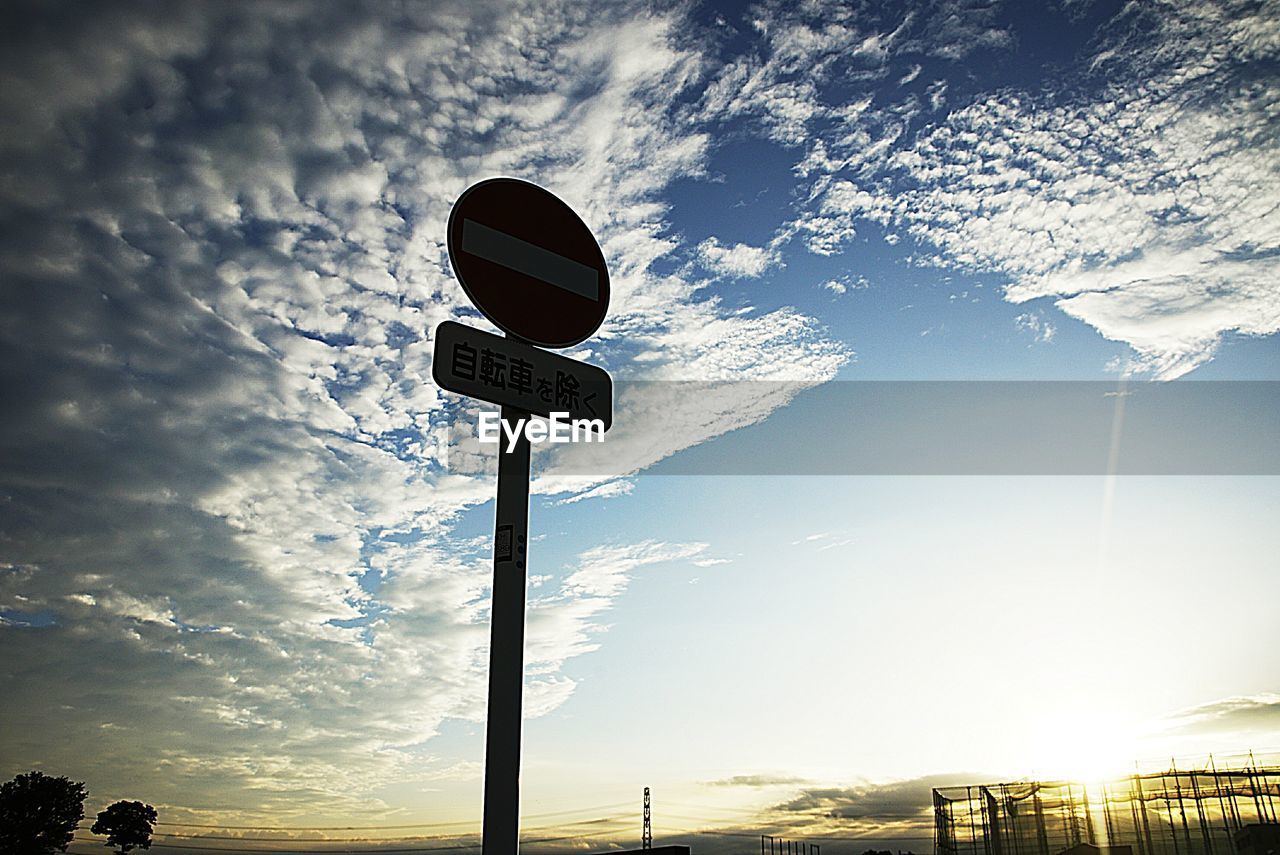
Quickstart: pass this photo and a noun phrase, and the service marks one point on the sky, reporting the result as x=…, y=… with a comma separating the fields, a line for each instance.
x=934, y=460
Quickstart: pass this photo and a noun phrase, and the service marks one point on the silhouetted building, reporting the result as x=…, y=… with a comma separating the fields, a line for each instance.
x=1090, y=849
x=1259, y=838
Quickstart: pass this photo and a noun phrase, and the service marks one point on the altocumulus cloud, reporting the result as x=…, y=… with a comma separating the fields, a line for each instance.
x=1134, y=187
x=1138, y=192
x=226, y=513
x=221, y=252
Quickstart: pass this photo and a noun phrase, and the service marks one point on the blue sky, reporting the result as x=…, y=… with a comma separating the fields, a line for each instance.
x=244, y=551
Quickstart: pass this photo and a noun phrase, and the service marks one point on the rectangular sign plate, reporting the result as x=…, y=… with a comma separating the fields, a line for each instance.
x=511, y=373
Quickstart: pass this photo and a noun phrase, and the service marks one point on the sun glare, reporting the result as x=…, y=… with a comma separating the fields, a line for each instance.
x=1084, y=747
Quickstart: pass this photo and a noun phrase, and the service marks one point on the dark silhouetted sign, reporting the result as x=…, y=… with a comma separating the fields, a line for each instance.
x=528, y=262
x=533, y=267
x=510, y=373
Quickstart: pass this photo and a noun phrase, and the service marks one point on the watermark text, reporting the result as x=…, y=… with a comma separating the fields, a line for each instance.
x=558, y=428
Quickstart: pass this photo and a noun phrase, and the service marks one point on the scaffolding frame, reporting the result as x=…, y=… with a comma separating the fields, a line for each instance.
x=1210, y=809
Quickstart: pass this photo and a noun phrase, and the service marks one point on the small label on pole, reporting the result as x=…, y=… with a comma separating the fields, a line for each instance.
x=503, y=543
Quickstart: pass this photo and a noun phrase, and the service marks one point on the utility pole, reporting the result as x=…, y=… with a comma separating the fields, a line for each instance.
x=646, y=836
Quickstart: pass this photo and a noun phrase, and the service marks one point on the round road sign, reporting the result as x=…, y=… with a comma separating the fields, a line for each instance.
x=528, y=262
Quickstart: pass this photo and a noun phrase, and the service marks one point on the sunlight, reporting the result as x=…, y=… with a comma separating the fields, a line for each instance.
x=1083, y=746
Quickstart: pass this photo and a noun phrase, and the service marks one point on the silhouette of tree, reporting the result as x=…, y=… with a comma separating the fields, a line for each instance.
x=39, y=814
x=126, y=824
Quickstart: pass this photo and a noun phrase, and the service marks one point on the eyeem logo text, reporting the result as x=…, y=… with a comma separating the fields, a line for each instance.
x=559, y=428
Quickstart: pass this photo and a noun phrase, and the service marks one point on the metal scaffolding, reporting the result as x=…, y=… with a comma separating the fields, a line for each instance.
x=780, y=846
x=1215, y=809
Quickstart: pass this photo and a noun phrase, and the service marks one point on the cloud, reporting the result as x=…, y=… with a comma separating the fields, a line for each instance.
x=844, y=284
x=1117, y=190
x=1120, y=193
x=792, y=80
x=954, y=29
x=937, y=95
x=739, y=261
x=566, y=623
x=901, y=800
x=1259, y=714
x=607, y=490
x=758, y=781
x=227, y=503
x=1035, y=324
x=822, y=541
x=604, y=570
x=894, y=810
x=873, y=810
x=822, y=535
x=777, y=83
x=227, y=514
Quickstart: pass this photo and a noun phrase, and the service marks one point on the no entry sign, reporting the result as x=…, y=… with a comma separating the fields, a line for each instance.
x=532, y=266
x=528, y=262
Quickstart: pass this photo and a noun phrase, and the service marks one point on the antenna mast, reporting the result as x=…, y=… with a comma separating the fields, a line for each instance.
x=646, y=837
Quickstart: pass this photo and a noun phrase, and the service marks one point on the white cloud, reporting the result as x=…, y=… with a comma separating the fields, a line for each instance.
x=824, y=540
x=844, y=284
x=227, y=266
x=604, y=571
x=1035, y=324
x=937, y=95
x=740, y=261
x=1145, y=212
x=803, y=47
x=567, y=623
x=224, y=282
x=822, y=535
x=606, y=490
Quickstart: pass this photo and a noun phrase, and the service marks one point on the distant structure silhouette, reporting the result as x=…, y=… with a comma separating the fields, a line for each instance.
x=646, y=836
x=781, y=846
x=1213, y=808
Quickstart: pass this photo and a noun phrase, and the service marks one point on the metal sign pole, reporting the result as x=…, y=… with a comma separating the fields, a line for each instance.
x=501, y=831
x=533, y=268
